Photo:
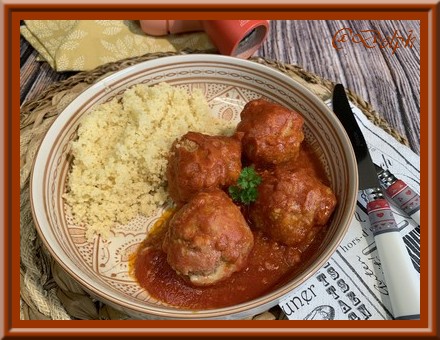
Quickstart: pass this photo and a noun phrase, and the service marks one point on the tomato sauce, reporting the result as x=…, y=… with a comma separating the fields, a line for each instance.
x=270, y=264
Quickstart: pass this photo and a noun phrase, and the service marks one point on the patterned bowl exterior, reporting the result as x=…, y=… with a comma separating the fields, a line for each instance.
x=102, y=267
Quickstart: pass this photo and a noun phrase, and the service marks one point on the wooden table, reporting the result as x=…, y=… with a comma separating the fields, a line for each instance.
x=388, y=79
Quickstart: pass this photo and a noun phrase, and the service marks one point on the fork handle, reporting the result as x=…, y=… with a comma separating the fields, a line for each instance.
x=406, y=198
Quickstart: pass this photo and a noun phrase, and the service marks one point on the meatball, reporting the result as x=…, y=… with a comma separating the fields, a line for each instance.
x=270, y=133
x=292, y=206
x=208, y=239
x=198, y=162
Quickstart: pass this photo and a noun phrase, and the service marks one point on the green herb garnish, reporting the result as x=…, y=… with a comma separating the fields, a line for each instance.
x=246, y=189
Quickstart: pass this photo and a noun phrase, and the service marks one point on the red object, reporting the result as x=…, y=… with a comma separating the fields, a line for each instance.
x=381, y=217
x=165, y=27
x=238, y=38
x=406, y=198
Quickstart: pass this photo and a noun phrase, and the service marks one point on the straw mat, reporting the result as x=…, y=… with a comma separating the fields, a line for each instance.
x=47, y=292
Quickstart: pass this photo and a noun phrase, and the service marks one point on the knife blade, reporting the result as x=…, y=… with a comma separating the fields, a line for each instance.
x=402, y=282
x=401, y=193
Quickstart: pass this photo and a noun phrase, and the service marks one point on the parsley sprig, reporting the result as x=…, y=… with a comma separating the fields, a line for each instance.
x=246, y=189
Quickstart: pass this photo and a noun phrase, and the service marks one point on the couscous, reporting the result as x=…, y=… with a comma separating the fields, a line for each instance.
x=120, y=154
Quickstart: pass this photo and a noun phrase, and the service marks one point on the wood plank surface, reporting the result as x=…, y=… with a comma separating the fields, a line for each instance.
x=389, y=81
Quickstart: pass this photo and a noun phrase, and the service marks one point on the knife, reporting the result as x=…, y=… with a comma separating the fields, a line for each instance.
x=402, y=282
x=401, y=193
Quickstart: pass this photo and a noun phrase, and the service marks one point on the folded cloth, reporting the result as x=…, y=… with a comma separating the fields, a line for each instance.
x=82, y=45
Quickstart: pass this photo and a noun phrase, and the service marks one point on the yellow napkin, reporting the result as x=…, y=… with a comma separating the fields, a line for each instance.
x=82, y=45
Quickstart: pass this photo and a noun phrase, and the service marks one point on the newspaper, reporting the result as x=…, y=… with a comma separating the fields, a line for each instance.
x=351, y=285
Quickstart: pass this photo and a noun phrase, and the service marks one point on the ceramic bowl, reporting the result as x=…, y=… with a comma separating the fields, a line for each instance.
x=102, y=267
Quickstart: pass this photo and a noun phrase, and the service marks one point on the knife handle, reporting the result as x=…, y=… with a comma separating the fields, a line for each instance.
x=402, y=282
x=405, y=197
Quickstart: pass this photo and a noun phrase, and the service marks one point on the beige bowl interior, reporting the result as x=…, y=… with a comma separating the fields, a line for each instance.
x=102, y=267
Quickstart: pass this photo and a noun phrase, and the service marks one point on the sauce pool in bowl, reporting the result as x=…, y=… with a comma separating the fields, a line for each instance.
x=270, y=264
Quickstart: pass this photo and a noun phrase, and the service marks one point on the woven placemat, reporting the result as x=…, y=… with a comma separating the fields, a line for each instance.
x=46, y=291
